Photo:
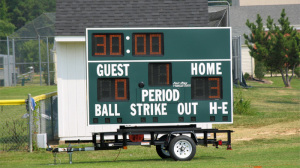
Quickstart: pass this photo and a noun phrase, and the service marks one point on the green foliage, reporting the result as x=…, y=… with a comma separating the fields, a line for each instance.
x=35, y=116
x=14, y=14
x=21, y=12
x=297, y=72
x=246, y=76
x=3, y=10
x=6, y=28
x=30, y=52
x=278, y=49
x=45, y=74
x=241, y=105
x=260, y=70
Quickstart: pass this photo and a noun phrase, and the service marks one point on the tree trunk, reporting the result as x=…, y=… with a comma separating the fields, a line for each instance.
x=284, y=78
x=293, y=70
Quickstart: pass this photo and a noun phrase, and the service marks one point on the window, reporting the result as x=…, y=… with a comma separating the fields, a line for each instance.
x=206, y=88
x=148, y=44
x=107, y=45
x=160, y=74
x=110, y=89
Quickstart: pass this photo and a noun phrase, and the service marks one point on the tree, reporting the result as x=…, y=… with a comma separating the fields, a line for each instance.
x=278, y=48
x=6, y=28
x=3, y=10
x=21, y=12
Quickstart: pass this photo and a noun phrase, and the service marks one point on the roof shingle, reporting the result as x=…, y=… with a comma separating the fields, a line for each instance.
x=74, y=16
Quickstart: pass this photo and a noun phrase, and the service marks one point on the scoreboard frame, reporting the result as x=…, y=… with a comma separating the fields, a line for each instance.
x=119, y=66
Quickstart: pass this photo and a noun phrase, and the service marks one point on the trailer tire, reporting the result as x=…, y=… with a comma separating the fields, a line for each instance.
x=182, y=148
x=161, y=149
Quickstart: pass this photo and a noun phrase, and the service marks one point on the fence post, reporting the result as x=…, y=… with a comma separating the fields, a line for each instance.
x=40, y=60
x=30, y=122
x=48, y=62
x=14, y=59
x=8, y=61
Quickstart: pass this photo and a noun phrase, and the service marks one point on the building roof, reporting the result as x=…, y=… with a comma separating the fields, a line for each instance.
x=240, y=14
x=74, y=16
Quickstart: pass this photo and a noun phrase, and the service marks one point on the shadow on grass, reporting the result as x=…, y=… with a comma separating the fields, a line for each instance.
x=283, y=102
x=203, y=158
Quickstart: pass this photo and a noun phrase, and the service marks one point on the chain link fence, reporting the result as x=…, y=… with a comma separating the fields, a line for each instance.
x=14, y=128
x=27, y=57
x=14, y=123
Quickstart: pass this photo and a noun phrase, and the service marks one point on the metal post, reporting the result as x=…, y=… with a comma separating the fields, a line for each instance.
x=55, y=157
x=30, y=122
x=40, y=61
x=8, y=77
x=70, y=157
x=240, y=55
x=14, y=58
x=52, y=117
x=228, y=10
x=48, y=62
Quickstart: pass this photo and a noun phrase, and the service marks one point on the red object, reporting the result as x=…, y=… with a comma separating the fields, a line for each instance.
x=229, y=147
x=220, y=142
x=136, y=138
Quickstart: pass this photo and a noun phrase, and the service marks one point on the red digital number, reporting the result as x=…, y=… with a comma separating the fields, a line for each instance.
x=159, y=44
x=111, y=46
x=101, y=45
x=117, y=97
x=215, y=88
x=136, y=36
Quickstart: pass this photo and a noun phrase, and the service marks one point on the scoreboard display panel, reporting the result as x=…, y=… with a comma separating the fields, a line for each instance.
x=159, y=75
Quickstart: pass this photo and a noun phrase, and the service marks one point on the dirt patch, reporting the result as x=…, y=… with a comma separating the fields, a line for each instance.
x=267, y=132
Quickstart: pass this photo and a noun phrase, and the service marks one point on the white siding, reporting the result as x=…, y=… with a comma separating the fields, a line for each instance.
x=247, y=61
x=72, y=104
x=267, y=2
x=72, y=107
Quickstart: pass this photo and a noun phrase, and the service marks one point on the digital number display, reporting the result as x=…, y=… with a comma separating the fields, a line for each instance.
x=107, y=44
x=159, y=74
x=111, y=89
x=206, y=88
x=148, y=44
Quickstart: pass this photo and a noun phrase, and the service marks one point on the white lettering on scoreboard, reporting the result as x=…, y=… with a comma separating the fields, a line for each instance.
x=213, y=108
x=106, y=110
x=161, y=95
x=155, y=101
x=206, y=68
x=112, y=69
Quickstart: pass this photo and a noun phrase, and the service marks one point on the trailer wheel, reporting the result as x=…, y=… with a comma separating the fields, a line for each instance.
x=161, y=149
x=182, y=148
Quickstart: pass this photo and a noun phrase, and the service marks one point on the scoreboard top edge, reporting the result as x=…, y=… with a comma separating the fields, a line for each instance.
x=158, y=28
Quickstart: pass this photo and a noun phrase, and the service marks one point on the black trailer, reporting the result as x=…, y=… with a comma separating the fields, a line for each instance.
x=176, y=142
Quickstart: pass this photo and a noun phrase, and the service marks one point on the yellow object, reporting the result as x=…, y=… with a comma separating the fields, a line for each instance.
x=22, y=101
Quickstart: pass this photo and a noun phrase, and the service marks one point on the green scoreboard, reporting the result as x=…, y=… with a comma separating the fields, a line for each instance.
x=159, y=75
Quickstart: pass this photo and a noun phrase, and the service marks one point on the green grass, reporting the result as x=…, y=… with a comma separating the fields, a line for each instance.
x=271, y=131
x=265, y=153
x=271, y=103
x=21, y=92
x=13, y=127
